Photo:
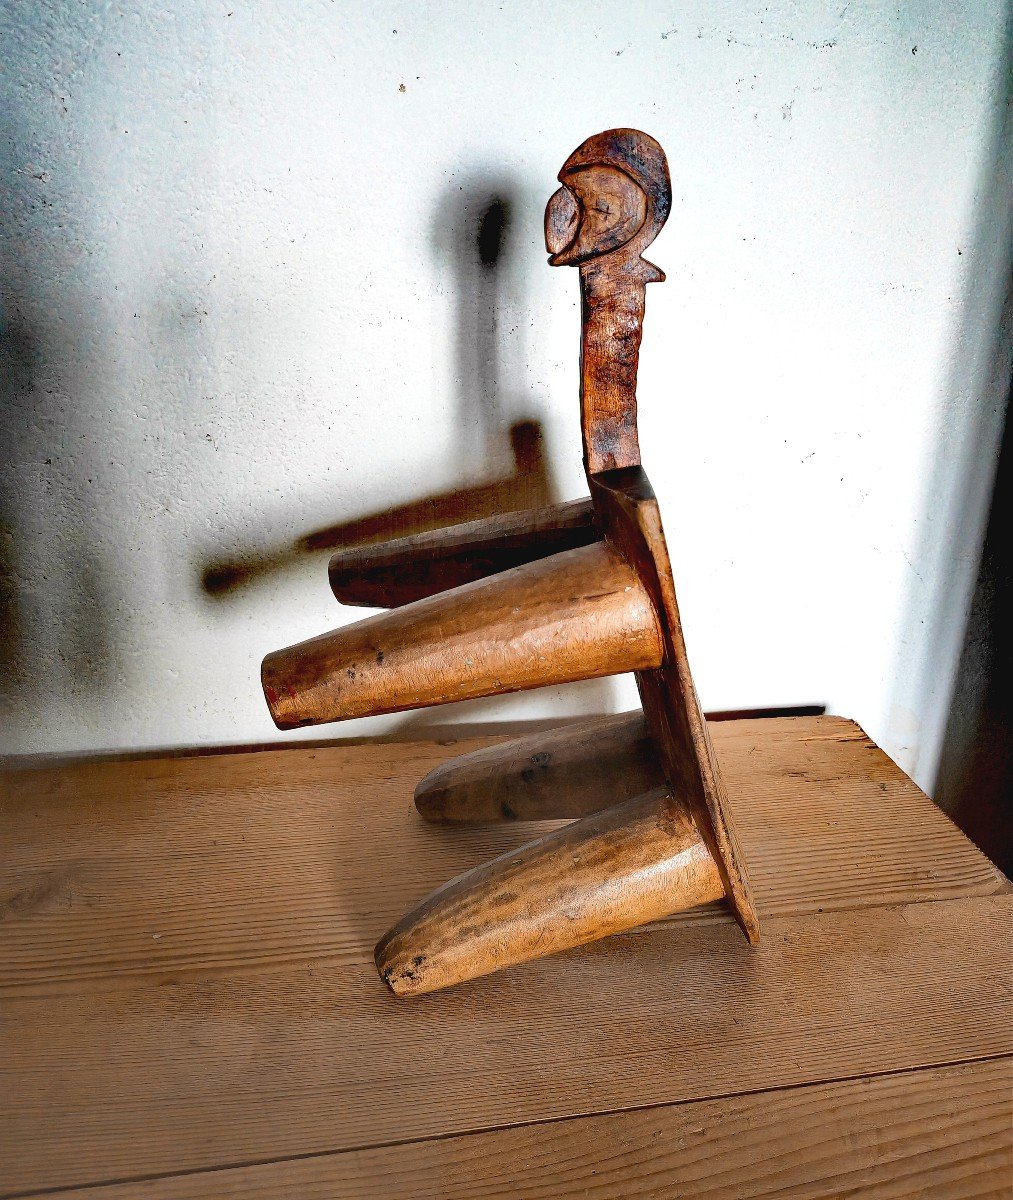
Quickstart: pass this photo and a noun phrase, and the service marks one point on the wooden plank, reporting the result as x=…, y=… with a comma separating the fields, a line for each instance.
x=200, y=1072
x=943, y=1132
x=170, y=868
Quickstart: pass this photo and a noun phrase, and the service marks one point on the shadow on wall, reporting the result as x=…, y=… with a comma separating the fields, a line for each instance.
x=937, y=693
x=54, y=640
x=477, y=245
x=474, y=246
x=975, y=784
x=17, y=375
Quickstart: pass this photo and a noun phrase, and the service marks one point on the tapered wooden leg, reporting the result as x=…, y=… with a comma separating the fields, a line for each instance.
x=617, y=869
x=576, y=615
x=389, y=574
x=559, y=774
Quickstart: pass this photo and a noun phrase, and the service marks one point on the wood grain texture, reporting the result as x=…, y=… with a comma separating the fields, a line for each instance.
x=186, y=980
x=389, y=574
x=576, y=615
x=552, y=775
x=315, y=1057
x=609, y=872
x=941, y=1133
x=267, y=858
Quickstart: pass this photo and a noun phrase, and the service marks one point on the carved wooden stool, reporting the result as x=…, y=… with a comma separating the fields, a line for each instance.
x=574, y=591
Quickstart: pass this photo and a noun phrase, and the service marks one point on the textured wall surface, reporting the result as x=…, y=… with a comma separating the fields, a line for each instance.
x=274, y=280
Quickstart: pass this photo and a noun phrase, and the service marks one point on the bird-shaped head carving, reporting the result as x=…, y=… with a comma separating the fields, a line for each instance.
x=616, y=196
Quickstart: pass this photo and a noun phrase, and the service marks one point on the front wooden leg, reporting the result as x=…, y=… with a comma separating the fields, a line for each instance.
x=617, y=869
x=576, y=615
x=555, y=775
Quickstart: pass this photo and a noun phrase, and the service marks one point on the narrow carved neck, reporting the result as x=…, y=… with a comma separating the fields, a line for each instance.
x=612, y=311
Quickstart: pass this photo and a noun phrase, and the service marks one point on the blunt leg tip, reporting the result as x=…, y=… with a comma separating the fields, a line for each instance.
x=400, y=975
x=282, y=700
x=435, y=795
x=271, y=694
x=431, y=803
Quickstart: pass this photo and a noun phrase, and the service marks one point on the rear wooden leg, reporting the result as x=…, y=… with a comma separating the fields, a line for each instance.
x=617, y=869
x=390, y=574
x=560, y=774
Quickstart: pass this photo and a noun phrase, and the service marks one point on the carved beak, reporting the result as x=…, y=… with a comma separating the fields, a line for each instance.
x=562, y=222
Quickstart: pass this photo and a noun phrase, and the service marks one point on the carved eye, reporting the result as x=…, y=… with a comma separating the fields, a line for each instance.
x=562, y=215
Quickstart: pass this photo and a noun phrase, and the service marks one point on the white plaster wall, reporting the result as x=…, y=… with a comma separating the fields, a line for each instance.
x=244, y=301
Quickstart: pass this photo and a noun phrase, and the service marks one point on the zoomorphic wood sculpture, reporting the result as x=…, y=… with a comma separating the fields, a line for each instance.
x=570, y=592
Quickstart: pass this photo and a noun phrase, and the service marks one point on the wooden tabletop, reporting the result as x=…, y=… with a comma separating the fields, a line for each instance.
x=189, y=1008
